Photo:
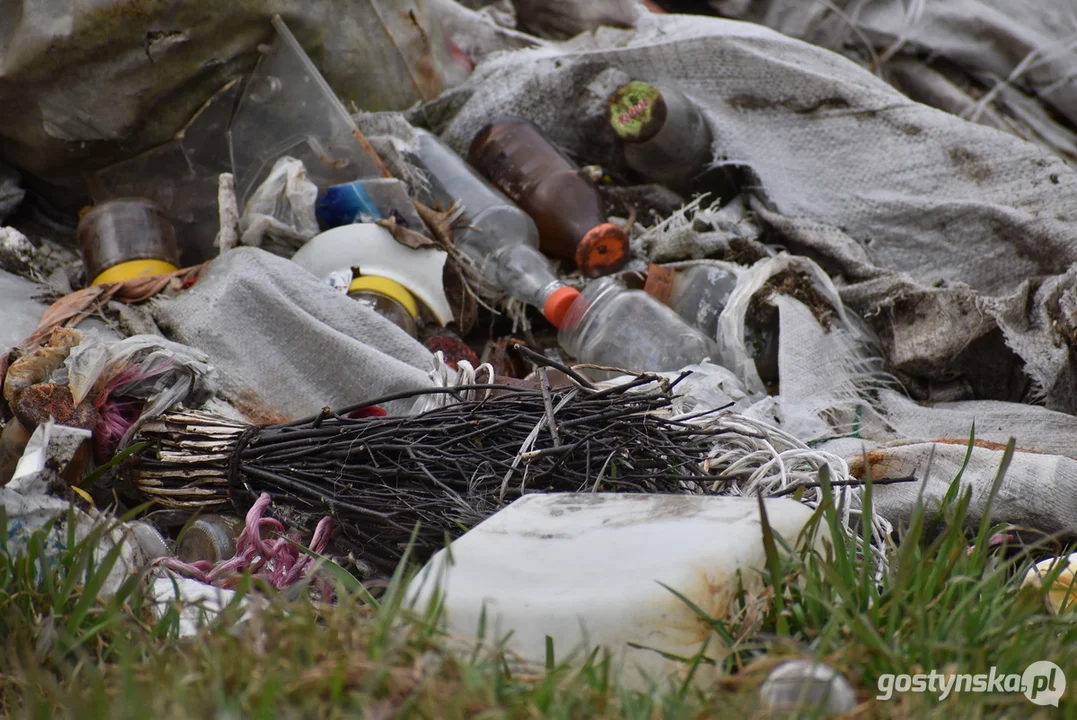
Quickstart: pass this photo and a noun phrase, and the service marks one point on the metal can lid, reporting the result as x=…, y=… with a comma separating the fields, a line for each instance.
x=209, y=538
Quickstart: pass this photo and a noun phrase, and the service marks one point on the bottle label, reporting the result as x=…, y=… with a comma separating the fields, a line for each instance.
x=636, y=111
x=659, y=283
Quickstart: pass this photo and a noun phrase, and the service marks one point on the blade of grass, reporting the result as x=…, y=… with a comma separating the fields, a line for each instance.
x=347, y=581
x=774, y=567
x=89, y=481
x=980, y=550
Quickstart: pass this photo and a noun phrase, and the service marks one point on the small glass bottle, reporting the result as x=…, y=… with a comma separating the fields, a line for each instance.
x=500, y=237
x=629, y=329
x=666, y=138
x=210, y=537
x=127, y=239
x=389, y=299
x=559, y=196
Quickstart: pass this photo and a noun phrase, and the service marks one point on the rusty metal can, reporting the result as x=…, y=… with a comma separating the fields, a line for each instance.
x=126, y=239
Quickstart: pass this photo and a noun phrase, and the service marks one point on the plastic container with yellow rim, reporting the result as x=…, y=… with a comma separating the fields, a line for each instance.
x=389, y=299
x=134, y=269
x=126, y=239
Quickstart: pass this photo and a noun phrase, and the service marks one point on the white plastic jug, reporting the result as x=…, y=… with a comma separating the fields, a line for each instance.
x=587, y=569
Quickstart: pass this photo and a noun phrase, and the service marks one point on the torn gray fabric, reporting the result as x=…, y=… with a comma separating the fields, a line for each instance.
x=1032, y=427
x=1003, y=107
x=287, y=344
x=1037, y=492
x=22, y=309
x=906, y=205
x=834, y=397
x=1006, y=63
x=992, y=36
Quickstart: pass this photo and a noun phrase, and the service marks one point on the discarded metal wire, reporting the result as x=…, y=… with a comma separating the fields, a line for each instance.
x=446, y=469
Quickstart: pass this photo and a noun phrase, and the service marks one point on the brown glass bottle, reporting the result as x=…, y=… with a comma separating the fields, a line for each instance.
x=517, y=157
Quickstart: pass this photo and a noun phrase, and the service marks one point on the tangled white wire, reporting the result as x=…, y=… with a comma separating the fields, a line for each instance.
x=444, y=376
x=757, y=458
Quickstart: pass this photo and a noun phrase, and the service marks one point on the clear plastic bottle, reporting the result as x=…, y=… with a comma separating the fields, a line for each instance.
x=698, y=294
x=666, y=138
x=629, y=329
x=559, y=196
x=496, y=234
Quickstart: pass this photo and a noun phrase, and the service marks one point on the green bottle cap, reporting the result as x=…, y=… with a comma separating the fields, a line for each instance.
x=637, y=111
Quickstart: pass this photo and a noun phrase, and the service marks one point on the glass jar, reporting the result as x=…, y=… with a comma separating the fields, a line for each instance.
x=126, y=239
x=210, y=537
x=389, y=299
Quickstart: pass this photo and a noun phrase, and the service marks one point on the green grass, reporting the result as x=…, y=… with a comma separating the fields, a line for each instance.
x=65, y=653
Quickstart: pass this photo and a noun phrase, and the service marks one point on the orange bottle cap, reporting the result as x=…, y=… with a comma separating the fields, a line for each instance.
x=603, y=250
x=556, y=306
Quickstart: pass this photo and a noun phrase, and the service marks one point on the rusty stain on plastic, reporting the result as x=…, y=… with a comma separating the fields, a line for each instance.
x=712, y=592
x=425, y=77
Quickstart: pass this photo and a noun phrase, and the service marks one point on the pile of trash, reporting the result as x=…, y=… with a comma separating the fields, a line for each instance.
x=552, y=247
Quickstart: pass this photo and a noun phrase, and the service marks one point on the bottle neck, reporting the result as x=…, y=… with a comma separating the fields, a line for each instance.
x=581, y=317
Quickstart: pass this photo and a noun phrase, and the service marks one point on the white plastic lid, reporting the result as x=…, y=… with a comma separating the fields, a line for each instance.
x=375, y=251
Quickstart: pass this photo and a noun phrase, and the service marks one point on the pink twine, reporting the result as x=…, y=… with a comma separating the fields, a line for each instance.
x=278, y=561
x=994, y=541
x=115, y=414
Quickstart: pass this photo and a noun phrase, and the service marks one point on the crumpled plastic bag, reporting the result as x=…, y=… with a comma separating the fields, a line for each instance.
x=29, y=506
x=280, y=216
x=146, y=368
x=200, y=604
